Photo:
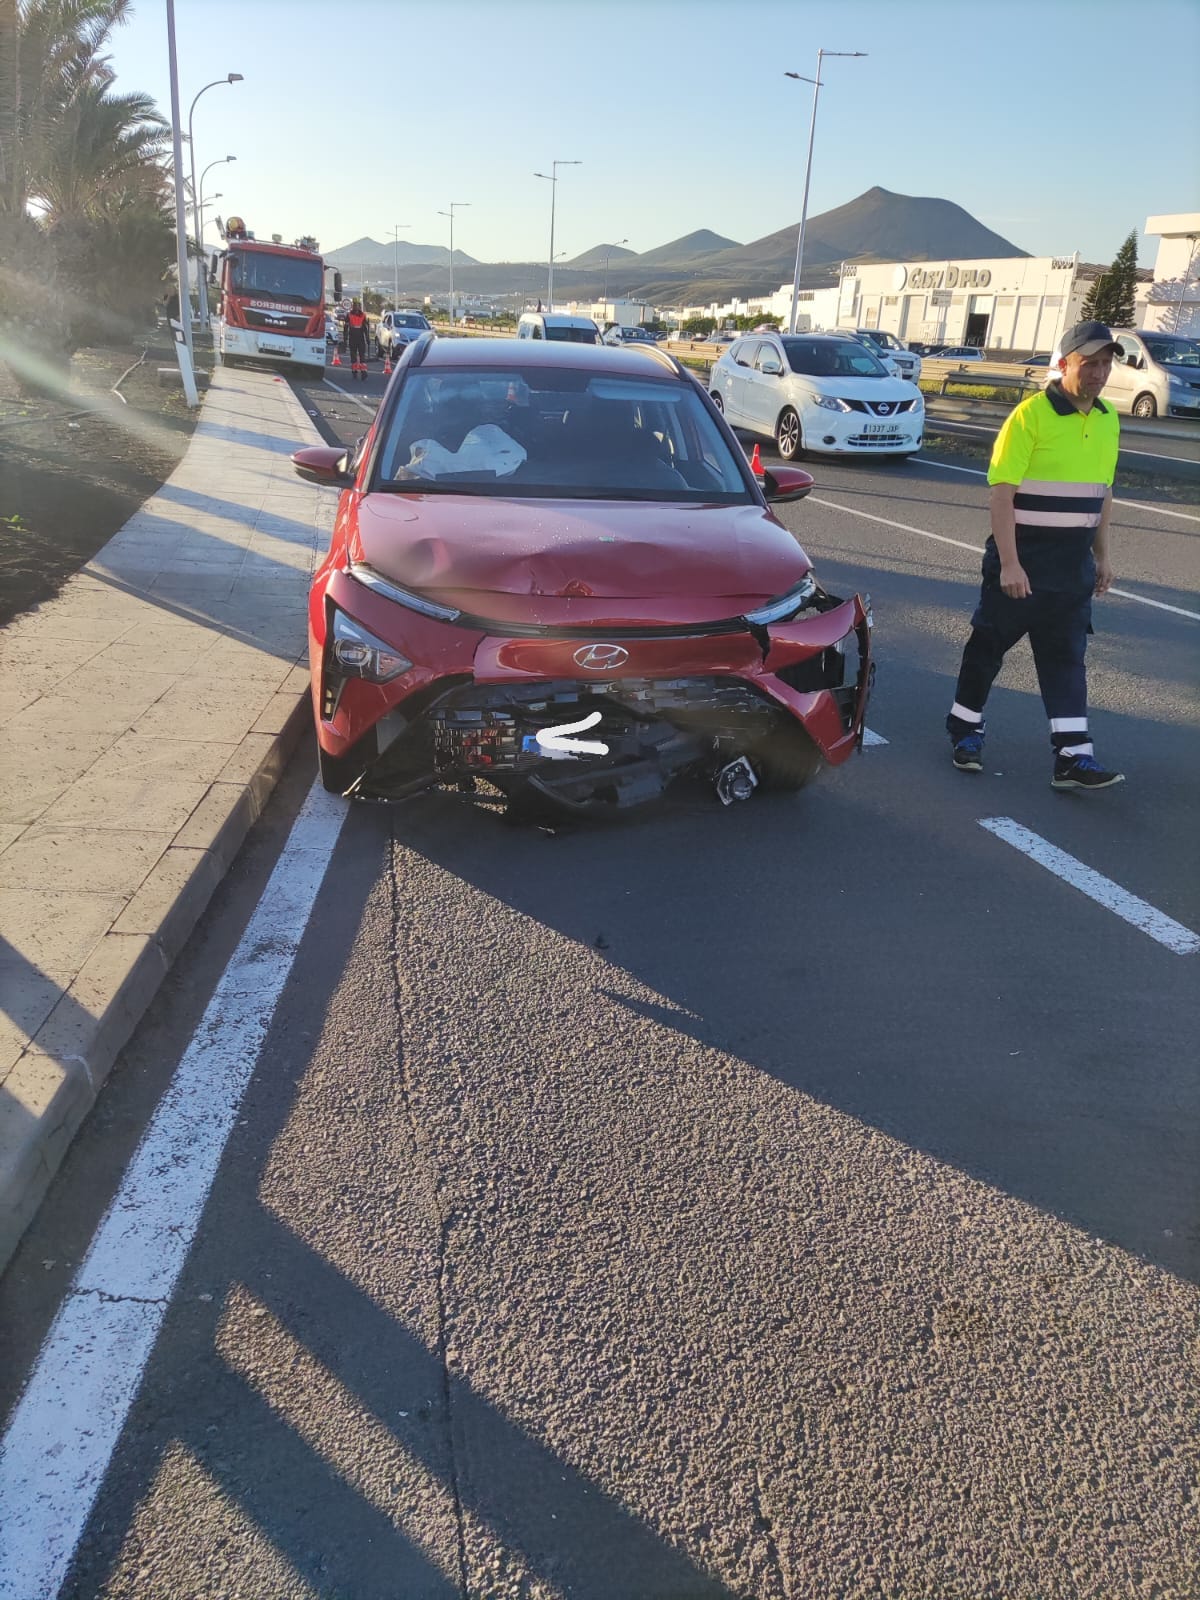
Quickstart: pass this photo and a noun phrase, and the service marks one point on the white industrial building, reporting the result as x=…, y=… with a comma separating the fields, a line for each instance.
x=1007, y=303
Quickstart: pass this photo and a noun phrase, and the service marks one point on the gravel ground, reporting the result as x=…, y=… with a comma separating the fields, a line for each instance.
x=76, y=464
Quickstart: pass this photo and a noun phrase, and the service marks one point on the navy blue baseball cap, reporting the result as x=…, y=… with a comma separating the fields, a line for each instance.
x=1089, y=338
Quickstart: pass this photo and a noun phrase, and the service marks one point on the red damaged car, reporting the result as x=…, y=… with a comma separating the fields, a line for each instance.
x=554, y=578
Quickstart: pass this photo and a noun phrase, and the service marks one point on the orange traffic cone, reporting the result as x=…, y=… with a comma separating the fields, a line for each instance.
x=337, y=360
x=756, y=466
x=387, y=365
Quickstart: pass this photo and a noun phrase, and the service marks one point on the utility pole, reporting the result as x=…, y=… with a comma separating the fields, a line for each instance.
x=551, y=177
x=812, y=129
x=396, y=230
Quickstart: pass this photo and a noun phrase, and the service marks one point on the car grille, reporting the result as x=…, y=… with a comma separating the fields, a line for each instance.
x=276, y=321
x=490, y=727
x=881, y=408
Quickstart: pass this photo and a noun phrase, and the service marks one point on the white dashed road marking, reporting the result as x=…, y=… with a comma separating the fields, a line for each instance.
x=924, y=533
x=345, y=393
x=62, y=1434
x=1139, y=913
x=873, y=738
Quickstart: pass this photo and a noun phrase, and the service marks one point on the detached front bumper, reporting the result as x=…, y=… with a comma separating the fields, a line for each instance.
x=484, y=704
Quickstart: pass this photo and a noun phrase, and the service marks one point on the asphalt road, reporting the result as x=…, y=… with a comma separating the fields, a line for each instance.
x=799, y=1200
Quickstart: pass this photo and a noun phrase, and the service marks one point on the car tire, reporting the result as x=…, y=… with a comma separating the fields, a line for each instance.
x=786, y=761
x=789, y=440
x=717, y=401
x=315, y=374
x=1145, y=406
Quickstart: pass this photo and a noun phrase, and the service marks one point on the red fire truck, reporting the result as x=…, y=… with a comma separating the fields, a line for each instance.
x=271, y=302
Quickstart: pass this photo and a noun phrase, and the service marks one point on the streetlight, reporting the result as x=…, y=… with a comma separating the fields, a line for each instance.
x=397, y=228
x=198, y=205
x=816, y=83
x=619, y=242
x=455, y=205
x=230, y=77
x=552, y=177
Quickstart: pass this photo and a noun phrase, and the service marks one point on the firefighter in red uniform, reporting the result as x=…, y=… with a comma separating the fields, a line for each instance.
x=356, y=338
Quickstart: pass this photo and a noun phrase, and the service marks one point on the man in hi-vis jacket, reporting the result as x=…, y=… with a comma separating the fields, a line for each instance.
x=1048, y=554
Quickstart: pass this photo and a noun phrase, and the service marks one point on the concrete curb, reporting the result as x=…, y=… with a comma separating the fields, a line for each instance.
x=62, y=1069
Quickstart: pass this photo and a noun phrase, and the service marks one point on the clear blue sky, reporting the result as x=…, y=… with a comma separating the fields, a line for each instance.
x=366, y=113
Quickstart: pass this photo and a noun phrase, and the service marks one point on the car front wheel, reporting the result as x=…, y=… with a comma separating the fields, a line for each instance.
x=718, y=402
x=787, y=434
x=1144, y=406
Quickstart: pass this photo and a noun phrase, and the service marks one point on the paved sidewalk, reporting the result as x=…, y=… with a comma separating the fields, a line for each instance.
x=145, y=715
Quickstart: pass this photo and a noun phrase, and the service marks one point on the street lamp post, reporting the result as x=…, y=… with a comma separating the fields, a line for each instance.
x=198, y=203
x=812, y=128
x=455, y=205
x=230, y=77
x=397, y=229
x=183, y=350
x=620, y=242
x=551, y=177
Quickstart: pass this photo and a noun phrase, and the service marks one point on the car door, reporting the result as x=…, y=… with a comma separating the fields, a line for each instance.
x=1124, y=377
x=765, y=388
x=729, y=379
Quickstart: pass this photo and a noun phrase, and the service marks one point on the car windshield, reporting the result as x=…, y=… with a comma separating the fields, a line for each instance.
x=1175, y=352
x=832, y=358
x=409, y=319
x=560, y=433
x=279, y=277
x=571, y=335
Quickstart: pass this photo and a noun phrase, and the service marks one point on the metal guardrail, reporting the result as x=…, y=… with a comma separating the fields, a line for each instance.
x=968, y=377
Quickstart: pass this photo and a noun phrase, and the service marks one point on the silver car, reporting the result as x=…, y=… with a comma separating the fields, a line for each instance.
x=395, y=329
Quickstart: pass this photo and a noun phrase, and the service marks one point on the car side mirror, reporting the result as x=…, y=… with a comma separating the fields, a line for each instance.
x=786, y=483
x=771, y=368
x=325, y=464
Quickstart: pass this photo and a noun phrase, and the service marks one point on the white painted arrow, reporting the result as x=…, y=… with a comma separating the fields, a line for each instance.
x=556, y=741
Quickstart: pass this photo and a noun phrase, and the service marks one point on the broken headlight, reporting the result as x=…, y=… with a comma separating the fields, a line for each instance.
x=785, y=605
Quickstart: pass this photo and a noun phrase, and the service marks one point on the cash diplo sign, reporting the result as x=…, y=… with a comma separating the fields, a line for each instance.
x=949, y=277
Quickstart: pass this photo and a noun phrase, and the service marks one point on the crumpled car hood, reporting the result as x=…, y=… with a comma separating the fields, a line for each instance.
x=609, y=550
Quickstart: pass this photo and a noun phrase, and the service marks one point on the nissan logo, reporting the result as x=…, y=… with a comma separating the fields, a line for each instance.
x=883, y=409
x=601, y=657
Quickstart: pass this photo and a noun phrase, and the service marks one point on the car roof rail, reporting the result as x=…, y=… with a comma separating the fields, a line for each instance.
x=418, y=347
x=667, y=359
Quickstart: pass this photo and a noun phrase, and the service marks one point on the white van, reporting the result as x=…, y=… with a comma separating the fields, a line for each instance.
x=559, y=326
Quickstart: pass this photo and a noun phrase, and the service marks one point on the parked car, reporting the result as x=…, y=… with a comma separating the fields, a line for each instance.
x=1034, y=360
x=824, y=393
x=957, y=352
x=539, y=542
x=619, y=335
x=333, y=331
x=395, y=329
x=899, y=360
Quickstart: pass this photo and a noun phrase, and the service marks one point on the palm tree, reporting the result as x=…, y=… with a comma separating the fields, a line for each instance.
x=50, y=51
x=100, y=146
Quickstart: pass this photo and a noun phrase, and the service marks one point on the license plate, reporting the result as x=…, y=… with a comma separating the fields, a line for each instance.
x=267, y=348
x=879, y=427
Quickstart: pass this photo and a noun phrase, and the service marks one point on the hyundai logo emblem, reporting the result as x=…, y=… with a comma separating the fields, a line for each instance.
x=601, y=657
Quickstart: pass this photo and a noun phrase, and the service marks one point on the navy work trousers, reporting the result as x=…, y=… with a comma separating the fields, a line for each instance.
x=1058, y=623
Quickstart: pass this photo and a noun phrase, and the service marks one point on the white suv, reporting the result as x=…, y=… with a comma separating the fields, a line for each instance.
x=900, y=361
x=395, y=329
x=817, y=392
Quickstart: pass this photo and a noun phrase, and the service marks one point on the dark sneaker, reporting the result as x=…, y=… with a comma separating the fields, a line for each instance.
x=968, y=752
x=1082, y=772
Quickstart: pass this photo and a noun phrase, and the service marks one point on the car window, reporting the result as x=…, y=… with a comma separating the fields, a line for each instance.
x=767, y=352
x=1175, y=352
x=571, y=335
x=744, y=352
x=832, y=358
x=516, y=431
